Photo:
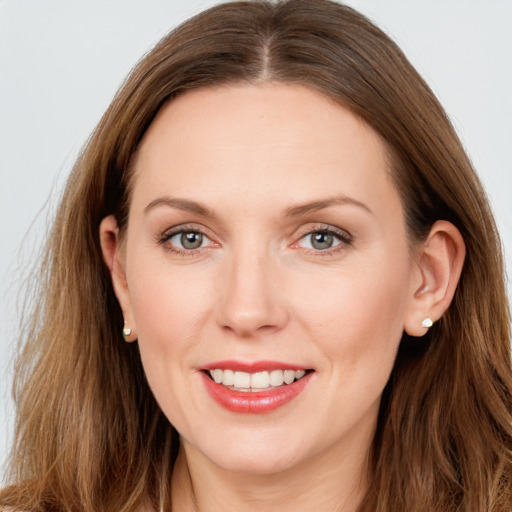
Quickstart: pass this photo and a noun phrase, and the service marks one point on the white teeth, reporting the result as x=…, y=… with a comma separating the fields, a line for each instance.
x=244, y=381
x=260, y=380
x=289, y=376
x=228, y=378
x=276, y=378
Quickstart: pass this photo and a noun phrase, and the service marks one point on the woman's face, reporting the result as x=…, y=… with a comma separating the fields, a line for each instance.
x=265, y=235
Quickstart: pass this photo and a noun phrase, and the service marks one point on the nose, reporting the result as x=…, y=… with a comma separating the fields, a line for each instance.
x=251, y=299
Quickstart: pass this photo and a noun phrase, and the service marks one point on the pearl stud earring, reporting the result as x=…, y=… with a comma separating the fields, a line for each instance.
x=126, y=333
x=427, y=323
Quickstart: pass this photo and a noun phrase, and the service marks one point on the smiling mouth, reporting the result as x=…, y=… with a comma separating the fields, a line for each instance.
x=255, y=382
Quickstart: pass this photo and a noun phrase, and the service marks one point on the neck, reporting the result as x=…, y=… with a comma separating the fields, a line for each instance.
x=332, y=482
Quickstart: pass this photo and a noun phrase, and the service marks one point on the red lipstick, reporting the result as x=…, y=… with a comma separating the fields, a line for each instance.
x=253, y=367
x=254, y=402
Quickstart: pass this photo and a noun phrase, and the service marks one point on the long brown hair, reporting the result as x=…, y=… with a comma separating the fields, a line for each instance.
x=90, y=435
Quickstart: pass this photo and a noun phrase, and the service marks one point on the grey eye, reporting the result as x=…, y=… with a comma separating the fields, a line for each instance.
x=321, y=240
x=191, y=240
x=188, y=240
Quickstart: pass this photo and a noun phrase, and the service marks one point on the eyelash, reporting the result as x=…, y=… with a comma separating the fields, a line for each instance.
x=343, y=237
x=168, y=235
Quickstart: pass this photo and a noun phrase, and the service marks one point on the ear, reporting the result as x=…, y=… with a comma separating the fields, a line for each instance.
x=111, y=247
x=437, y=268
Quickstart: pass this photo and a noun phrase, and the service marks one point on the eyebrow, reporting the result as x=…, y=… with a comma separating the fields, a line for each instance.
x=181, y=204
x=293, y=211
x=302, y=209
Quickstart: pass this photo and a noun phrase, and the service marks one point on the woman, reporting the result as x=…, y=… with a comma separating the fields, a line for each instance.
x=274, y=281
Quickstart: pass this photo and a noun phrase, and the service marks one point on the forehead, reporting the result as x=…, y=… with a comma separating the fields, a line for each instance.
x=274, y=139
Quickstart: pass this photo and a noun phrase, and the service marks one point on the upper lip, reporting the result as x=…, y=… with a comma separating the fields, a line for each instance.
x=252, y=366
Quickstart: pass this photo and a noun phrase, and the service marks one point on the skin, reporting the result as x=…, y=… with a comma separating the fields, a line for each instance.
x=258, y=289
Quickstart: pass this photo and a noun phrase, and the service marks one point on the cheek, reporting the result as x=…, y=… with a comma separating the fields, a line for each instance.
x=356, y=314
x=167, y=307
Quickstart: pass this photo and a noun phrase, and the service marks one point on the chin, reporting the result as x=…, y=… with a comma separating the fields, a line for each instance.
x=258, y=465
x=253, y=458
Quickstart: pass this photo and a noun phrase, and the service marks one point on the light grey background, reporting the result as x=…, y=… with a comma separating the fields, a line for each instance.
x=61, y=62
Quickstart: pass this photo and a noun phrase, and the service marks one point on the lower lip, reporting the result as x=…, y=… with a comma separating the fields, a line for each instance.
x=255, y=402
